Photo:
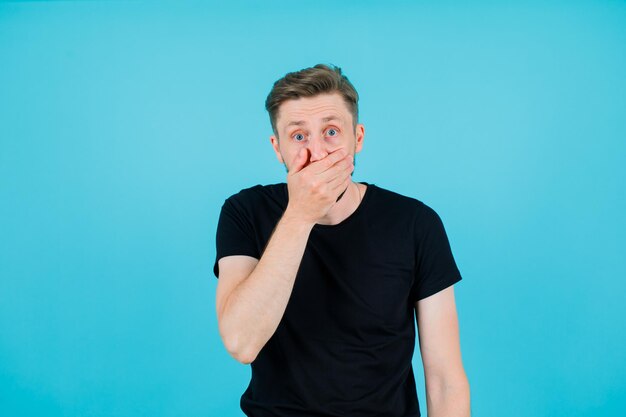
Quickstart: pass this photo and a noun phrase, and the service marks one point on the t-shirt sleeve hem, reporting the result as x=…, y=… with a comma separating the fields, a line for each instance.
x=216, y=269
x=443, y=285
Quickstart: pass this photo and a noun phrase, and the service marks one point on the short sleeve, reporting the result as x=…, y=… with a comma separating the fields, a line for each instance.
x=435, y=267
x=235, y=234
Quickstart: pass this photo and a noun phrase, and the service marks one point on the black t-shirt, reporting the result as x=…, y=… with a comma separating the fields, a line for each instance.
x=345, y=342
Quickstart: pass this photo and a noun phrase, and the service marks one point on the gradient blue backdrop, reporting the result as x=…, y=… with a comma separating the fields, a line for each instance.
x=125, y=125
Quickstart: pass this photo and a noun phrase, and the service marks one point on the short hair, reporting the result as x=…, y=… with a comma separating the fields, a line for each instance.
x=310, y=82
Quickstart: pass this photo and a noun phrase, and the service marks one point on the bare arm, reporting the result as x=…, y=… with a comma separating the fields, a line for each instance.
x=254, y=308
x=250, y=305
x=447, y=387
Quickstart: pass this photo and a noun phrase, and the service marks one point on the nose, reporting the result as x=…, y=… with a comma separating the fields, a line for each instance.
x=317, y=147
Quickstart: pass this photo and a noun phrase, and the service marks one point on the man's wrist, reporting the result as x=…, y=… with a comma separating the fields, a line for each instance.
x=295, y=219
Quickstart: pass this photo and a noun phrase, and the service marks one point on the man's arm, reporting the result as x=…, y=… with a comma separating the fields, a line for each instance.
x=252, y=298
x=447, y=387
x=251, y=305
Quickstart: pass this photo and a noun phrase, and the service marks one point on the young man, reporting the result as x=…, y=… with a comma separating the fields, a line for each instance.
x=320, y=278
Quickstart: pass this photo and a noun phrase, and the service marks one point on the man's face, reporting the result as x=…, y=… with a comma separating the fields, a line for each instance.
x=321, y=123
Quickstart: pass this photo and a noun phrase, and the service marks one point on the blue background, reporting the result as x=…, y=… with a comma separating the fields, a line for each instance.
x=125, y=125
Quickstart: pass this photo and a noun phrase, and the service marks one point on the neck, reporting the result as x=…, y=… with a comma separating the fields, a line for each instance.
x=345, y=206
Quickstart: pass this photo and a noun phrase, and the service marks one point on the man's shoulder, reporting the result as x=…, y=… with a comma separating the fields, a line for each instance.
x=396, y=203
x=258, y=193
x=388, y=197
x=399, y=205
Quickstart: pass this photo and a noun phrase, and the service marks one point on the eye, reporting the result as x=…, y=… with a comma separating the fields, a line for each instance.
x=332, y=132
x=298, y=137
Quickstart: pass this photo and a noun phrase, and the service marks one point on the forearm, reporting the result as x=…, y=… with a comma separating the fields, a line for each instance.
x=448, y=399
x=255, y=307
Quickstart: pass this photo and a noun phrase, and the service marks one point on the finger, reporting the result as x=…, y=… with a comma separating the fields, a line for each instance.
x=341, y=167
x=343, y=193
x=340, y=180
x=299, y=161
x=326, y=163
x=341, y=190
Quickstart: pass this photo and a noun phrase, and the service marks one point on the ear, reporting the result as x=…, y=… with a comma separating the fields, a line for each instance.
x=360, y=134
x=276, y=146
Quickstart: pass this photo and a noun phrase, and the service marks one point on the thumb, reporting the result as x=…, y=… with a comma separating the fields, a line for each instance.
x=300, y=160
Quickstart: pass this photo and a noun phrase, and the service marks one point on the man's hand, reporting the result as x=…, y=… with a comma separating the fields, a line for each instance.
x=314, y=190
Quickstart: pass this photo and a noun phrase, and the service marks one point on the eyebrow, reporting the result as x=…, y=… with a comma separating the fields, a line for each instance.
x=301, y=122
